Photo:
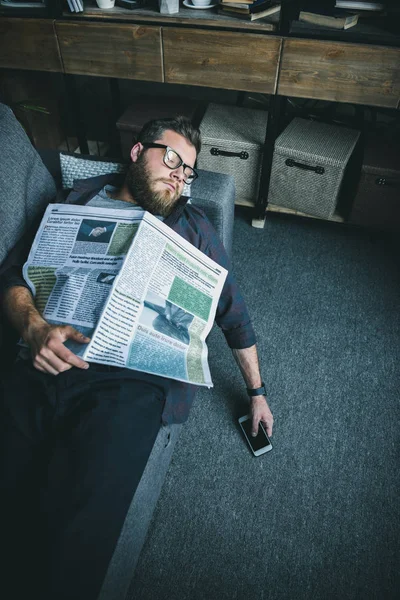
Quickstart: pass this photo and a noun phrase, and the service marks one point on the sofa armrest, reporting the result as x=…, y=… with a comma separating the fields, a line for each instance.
x=215, y=194
x=137, y=521
x=25, y=185
x=51, y=160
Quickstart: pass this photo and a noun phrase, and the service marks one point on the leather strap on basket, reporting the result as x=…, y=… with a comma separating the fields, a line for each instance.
x=292, y=163
x=217, y=152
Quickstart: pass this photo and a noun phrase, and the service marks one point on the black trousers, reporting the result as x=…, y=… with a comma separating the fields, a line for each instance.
x=74, y=448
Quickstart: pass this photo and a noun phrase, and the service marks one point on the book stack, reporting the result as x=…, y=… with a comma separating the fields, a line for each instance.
x=249, y=10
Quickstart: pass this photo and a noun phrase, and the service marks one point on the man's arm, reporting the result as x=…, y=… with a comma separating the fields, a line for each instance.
x=247, y=360
x=49, y=354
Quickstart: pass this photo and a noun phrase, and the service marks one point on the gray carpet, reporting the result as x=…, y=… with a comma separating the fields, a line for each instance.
x=318, y=517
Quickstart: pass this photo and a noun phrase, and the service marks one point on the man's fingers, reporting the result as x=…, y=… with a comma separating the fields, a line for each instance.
x=54, y=357
x=268, y=424
x=69, y=332
x=43, y=365
x=64, y=359
x=255, y=424
x=54, y=364
x=52, y=361
x=261, y=413
x=268, y=427
x=69, y=357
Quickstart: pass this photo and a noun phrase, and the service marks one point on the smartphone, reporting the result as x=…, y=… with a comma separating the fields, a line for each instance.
x=259, y=444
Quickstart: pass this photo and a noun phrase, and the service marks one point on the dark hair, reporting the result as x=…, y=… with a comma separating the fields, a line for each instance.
x=154, y=130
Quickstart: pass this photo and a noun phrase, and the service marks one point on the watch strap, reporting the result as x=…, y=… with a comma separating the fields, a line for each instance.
x=261, y=391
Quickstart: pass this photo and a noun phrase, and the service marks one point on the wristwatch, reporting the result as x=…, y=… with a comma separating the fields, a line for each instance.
x=261, y=391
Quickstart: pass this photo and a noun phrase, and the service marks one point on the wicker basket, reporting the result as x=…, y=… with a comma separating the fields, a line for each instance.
x=377, y=201
x=146, y=108
x=308, y=166
x=233, y=138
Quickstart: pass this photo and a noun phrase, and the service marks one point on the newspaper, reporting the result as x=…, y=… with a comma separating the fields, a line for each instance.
x=145, y=296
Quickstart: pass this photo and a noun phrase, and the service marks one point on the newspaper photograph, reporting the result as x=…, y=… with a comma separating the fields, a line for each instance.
x=145, y=296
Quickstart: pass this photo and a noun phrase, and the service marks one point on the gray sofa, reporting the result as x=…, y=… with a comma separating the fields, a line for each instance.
x=23, y=169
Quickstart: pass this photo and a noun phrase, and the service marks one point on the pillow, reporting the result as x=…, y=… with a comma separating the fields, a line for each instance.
x=74, y=167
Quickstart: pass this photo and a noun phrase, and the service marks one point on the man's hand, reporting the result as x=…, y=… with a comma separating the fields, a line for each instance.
x=260, y=412
x=247, y=359
x=46, y=341
x=49, y=354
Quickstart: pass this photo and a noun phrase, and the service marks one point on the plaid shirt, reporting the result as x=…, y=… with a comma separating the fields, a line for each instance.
x=192, y=224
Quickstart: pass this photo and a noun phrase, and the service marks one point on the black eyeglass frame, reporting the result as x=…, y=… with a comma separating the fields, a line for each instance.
x=181, y=164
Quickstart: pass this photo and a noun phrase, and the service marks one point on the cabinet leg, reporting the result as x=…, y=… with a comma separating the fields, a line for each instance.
x=115, y=143
x=258, y=223
x=74, y=108
x=274, y=125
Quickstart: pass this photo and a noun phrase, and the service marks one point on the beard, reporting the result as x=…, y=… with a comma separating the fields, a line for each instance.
x=141, y=186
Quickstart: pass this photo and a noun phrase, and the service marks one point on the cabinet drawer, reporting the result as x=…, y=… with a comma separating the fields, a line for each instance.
x=110, y=50
x=221, y=59
x=340, y=72
x=29, y=44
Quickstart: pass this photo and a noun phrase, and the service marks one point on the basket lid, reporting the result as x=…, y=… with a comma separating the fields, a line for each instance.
x=233, y=124
x=310, y=140
x=146, y=108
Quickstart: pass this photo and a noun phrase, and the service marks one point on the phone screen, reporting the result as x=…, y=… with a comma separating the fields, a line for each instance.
x=258, y=442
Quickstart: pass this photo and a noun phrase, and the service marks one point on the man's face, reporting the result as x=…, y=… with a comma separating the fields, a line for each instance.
x=150, y=182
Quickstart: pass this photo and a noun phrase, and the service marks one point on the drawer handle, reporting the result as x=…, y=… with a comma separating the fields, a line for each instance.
x=218, y=152
x=382, y=181
x=291, y=163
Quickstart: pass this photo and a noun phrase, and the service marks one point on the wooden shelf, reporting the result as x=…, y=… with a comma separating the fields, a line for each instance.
x=215, y=59
x=186, y=16
x=29, y=44
x=340, y=72
x=125, y=50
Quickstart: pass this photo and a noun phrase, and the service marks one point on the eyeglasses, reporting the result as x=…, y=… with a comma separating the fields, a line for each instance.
x=172, y=160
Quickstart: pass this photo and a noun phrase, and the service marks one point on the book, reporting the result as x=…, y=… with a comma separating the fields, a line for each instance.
x=254, y=5
x=234, y=9
x=236, y=2
x=355, y=5
x=250, y=15
x=236, y=5
x=333, y=19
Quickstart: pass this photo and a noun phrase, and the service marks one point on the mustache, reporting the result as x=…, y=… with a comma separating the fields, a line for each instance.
x=168, y=181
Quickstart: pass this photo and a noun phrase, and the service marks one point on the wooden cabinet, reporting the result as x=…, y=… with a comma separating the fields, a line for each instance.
x=221, y=59
x=341, y=72
x=111, y=50
x=29, y=44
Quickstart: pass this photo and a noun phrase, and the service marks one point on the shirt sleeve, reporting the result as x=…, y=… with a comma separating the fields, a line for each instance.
x=232, y=315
